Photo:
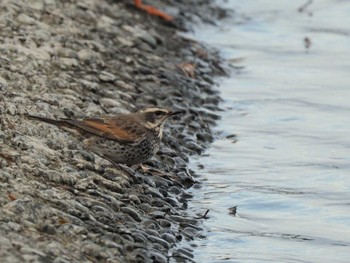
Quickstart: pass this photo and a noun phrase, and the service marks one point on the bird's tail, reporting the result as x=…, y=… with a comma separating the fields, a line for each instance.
x=47, y=120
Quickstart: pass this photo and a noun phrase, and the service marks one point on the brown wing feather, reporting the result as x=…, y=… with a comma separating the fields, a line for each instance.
x=112, y=128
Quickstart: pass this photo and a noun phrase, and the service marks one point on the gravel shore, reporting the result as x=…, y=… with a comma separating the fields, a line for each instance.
x=61, y=203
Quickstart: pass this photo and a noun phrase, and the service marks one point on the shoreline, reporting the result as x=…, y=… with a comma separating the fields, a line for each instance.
x=62, y=203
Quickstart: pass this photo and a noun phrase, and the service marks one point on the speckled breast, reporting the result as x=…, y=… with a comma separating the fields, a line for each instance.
x=125, y=153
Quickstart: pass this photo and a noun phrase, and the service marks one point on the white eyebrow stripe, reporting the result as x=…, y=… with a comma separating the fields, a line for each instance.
x=156, y=109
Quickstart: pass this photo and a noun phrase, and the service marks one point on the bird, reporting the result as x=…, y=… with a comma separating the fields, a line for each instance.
x=129, y=139
x=153, y=11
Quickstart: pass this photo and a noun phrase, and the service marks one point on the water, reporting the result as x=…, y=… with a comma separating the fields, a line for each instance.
x=289, y=171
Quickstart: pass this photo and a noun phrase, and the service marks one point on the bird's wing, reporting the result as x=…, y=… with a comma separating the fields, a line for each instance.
x=111, y=128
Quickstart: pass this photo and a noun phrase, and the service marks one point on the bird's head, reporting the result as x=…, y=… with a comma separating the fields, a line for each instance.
x=154, y=118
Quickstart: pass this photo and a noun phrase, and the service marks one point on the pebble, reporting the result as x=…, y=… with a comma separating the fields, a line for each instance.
x=160, y=241
x=3, y=84
x=68, y=63
x=152, y=232
x=175, y=190
x=134, y=199
x=169, y=238
x=190, y=232
x=145, y=36
x=25, y=19
x=110, y=103
x=105, y=76
x=157, y=214
x=184, y=254
x=164, y=223
x=158, y=257
x=140, y=238
x=153, y=192
x=131, y=212
x=172, y=201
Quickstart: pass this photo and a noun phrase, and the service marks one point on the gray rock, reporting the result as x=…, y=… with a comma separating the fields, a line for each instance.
x=131, y=212
x=105, y=76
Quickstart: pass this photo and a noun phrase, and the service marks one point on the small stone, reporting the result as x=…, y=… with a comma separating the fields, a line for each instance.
x=139, y=238
x=182, y=219
x=164, y=223
x=148, y=38
x=157, y=214
x=25, y=19
x=131, y=212
x=3, y=84
x=105, y=76
x=183, y=253
x=68, y=62
x=175, y=190
x=154, y=192
x=14, y=226
x=160, y=241
x=85, y=54
x=190, y=232
x=125, y=41
x=168, y=237
x=92, y=86
x=124, y=85
x=134, y=199
x=158, y=257
x=152, y=232
x=105, y=22
x=110, y=103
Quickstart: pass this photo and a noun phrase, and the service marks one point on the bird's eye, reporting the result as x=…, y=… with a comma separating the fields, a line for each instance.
x=159, y=113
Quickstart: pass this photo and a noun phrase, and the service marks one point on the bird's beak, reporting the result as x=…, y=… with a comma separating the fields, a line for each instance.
x=172, y=113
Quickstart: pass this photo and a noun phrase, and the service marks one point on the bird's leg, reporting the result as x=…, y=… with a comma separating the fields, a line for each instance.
x=152, y=170
x=119, y=166
x=144, y=168
x=152, y=10
x=125, y=168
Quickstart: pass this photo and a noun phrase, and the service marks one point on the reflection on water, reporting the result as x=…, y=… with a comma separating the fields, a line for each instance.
x=289, y=171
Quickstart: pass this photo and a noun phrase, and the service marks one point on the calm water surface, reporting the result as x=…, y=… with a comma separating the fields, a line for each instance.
x=289, y=171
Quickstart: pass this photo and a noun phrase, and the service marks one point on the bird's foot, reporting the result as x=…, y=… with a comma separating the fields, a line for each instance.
x=151, y=170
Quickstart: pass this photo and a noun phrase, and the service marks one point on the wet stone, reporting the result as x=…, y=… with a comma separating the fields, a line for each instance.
x=182, y=219
x=180, y=162
x=150, y=224
x=158, y=257
x=193, y=146
x=168, y=160
x=160, y=241
x=138, y=238
x=139, y=255
x=190, y=232
x=157, y=214
x=183, y=254
x=153, y=192
x=168, y=237
x=163, y=191
x=171, y=201
x=131, y=212
x=162, y=182
x=164, y=223
x=134, y=199
x=175, y=190
x=152, y=232
x=159, y=203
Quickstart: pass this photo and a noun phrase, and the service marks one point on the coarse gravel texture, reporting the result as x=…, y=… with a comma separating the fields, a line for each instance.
x=61, y=203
